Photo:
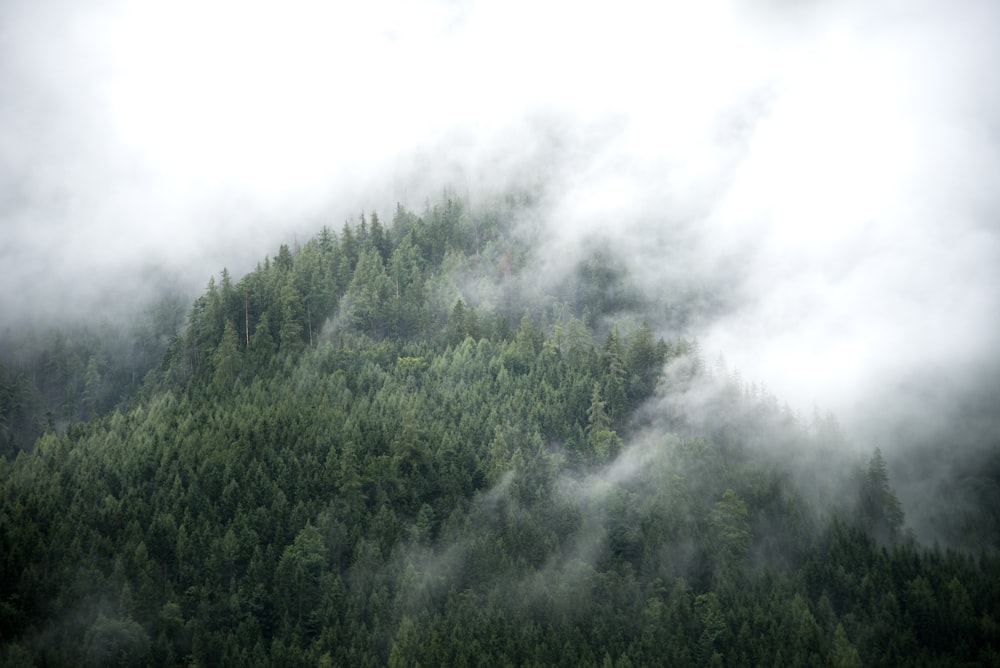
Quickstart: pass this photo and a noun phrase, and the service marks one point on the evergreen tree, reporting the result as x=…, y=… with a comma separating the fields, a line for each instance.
x=369, y=295
x=292, y=318
x=614, y=382
x=92, y=388
x=227, y=358
x=379, y=238
x=262, y=346
x=643, y=365
x=881, y=511
x=729, y=525
x=602, y=442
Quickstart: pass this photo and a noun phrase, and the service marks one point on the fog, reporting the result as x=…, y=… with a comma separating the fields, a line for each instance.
x=832, y=168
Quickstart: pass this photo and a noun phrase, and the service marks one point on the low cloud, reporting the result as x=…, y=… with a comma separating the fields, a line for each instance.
x=826, y=170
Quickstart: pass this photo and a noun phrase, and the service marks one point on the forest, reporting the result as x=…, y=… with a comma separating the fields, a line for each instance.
x=392, y=445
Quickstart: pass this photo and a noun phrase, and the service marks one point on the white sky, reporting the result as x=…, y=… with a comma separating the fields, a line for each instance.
x=842, y=156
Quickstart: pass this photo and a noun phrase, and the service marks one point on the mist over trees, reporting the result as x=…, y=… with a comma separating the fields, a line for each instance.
x=680, y=347
x=396, y=444
x=57, y=374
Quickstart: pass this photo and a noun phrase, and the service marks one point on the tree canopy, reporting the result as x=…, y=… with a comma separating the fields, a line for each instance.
x=388, y=446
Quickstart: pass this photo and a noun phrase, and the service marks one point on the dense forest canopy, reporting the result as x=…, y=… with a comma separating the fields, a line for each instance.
x=393, y=444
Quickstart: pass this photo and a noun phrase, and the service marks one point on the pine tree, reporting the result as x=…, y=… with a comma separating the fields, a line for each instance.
x=227, y=358
x=643, y=365
x=262, y=343
x=730, y=528
x=92, y=388
x=379, y=238
x=369, y=295
x=292, y=318
x=602, y=441
x=614, y=376
x=881, y=512
x=843, y=654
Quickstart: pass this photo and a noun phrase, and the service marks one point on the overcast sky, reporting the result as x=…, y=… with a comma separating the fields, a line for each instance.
x=838, y=159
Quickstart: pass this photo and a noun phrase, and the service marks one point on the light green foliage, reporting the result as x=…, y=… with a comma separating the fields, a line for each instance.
x=843, y=654
x=227, y=358
x=730, y=526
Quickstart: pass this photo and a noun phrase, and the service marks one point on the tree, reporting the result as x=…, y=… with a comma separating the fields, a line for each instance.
x=730, y=528
x=614, y=376
x=497, y=459
x=349, y=247
x=205, y=323
x=843, y=654
x=262, y=343
x=283, y=261
x=369, y=294
x=407, y=307
x=881, y=512
x=299, y=580
x=402, y=221
x=92, y=388
x=455, y=327
x=327, y=240
x=229, y=299
x=643, y=365
x=602, y=441
x=714, y=631
x=462, y=323
x=292, y=317
x=579, y=344
x=521, y=353
x=379, y=238
x=227, y=358
x=406, y=645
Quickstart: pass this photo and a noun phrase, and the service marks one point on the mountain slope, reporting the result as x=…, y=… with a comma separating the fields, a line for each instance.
x=391, y=445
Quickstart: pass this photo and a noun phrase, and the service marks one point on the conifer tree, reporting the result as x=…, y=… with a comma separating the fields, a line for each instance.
x=292, y=318
x=881, y=511
x=227, y=358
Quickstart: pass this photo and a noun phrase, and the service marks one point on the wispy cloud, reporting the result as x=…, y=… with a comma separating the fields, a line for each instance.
x=832, y=165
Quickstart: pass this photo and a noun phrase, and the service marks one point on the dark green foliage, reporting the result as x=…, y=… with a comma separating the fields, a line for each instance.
x=601, y=286
x=20, y=418
x=61, y=376
x=880, y=511
x=353, y=456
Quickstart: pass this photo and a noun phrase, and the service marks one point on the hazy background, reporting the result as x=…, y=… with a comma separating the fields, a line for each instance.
x=832, y=167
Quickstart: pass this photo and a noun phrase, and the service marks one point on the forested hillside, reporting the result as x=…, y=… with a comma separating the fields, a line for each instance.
x=395, y=445
x=52, y=377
